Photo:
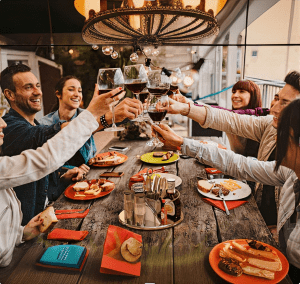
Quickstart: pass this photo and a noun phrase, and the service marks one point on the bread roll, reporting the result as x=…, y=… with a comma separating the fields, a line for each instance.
x=205, y=186
x=107, y=186
x=49, y=219
x=131, y=250
x=82, y=185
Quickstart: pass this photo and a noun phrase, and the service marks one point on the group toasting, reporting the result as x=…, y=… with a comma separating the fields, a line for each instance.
x=265, y=148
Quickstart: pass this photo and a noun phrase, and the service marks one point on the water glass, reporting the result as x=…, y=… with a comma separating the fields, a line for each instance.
x=139, y=209
x=128, y=206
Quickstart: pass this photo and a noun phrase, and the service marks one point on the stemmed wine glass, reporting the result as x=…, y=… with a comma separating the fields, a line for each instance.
x=158, y=86
x=109, y=79
x=135, y=77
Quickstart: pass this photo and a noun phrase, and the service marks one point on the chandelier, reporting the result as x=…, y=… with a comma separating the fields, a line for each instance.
x=152, y=22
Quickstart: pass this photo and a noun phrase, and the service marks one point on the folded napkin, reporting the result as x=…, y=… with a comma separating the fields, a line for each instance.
x=212, y=171
x=219, y=203
x=144, y=171
x=67, y=235
x=71, y=213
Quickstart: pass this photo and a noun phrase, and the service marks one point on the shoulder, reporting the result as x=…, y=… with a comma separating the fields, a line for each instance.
x=48, y=119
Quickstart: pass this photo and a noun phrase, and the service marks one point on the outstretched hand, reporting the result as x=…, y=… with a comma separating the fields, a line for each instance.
x=167, y=135
x=100, y=104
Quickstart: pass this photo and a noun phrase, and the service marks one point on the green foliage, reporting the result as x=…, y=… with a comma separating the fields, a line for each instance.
x=86, y=63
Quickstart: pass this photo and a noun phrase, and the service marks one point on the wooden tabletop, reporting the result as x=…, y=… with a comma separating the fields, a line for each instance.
x=174, y=255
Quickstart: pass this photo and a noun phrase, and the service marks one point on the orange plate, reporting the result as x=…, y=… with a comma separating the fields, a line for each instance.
x=70, y=192
x=214, y=259
x=124, y=158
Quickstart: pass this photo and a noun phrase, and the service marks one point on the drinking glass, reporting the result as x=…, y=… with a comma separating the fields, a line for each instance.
x=128, y=206
x=135, y=77
x=158, y=87
x=139, y=209
x=107, y=80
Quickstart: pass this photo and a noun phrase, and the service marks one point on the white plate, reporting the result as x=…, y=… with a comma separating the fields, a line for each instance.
x=178, y=180
x=237, y=194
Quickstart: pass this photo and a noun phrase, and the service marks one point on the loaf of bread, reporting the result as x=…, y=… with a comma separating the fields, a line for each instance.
x=131, y=250
x=205, y=186
x=49, y=219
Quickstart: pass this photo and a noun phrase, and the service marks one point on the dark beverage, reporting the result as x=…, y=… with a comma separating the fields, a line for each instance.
x=159, y=91
x=157, y=115
x=136, y=87
x=104, y=91
x=143, y=96
x=173, y=88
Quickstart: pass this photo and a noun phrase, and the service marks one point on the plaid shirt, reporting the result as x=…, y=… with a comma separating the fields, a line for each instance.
x=288, y=222
x=20, y=135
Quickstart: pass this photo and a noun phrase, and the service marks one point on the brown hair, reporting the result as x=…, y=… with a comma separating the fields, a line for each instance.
x=253, y=89
x=59, y=87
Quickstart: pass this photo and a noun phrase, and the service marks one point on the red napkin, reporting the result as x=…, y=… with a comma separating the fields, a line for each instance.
x=71, y=215
x=144, y=171
x=112, y=260
x=67, y=235
x=212, y=171
x=219, y=204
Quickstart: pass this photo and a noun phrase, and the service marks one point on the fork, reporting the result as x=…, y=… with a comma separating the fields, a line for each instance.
x=222, y=196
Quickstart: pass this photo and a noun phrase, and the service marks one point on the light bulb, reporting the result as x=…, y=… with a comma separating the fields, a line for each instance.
x=134, y=57
x=114, y=55
x=188, y=81
x=107, y=50
x=147, y=51
x=155, y=52
x=71, y=51
x=95, y=47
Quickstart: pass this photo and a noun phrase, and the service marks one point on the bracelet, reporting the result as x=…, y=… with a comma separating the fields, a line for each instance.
x=103, y=121
x=189, y=103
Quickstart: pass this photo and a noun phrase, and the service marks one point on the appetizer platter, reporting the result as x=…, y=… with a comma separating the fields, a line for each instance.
x=247, y=261
x=86, y=190
x=232, y=189
x=108, y=159
x=160, y=157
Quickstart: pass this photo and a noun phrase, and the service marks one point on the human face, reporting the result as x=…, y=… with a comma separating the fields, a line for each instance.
x=240, y=99
x=71, y=95
x=2, y=126
x=28, y=95
x=286, y=95
x=276, y=99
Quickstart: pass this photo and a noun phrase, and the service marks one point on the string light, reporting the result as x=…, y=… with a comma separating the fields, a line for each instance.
x=107, y=50
x=95, y=47
x=114, y=55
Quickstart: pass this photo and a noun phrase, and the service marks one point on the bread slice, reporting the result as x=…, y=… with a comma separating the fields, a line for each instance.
x=81, y=185
x=107, y=186
x=205, y=186
x=49, y=219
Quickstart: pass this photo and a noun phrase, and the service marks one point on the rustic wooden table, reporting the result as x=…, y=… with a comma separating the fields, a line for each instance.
x=175, y=255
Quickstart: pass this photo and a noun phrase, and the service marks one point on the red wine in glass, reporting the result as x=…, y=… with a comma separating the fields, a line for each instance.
x=136, y=87
x=173, y=88
x=158, y=91
x=157, y=116
x=143, y=96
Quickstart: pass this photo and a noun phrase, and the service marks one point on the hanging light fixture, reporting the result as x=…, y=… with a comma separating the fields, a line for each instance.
x=152, y=22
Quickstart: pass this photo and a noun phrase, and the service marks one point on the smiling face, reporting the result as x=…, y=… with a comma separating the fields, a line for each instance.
x=286, y=95
x=28, y=94
x=2, y=126
x=71, y=96
x=240, y=99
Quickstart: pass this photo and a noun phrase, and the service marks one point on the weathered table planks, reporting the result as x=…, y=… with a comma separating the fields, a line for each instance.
x=176, y=255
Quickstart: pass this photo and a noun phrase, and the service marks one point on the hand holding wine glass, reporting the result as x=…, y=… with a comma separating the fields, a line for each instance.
x=135, y=77
x=109, y=79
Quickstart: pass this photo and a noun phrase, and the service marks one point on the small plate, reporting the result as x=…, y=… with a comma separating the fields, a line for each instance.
x=124, y=158
x=148, y=158
x=178, y=180
x=214, y=259
x=70, y=192
x=237, y=194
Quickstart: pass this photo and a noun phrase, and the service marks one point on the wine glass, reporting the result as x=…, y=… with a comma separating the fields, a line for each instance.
x=135, y=77
x=109, y=79
x=158, y=86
